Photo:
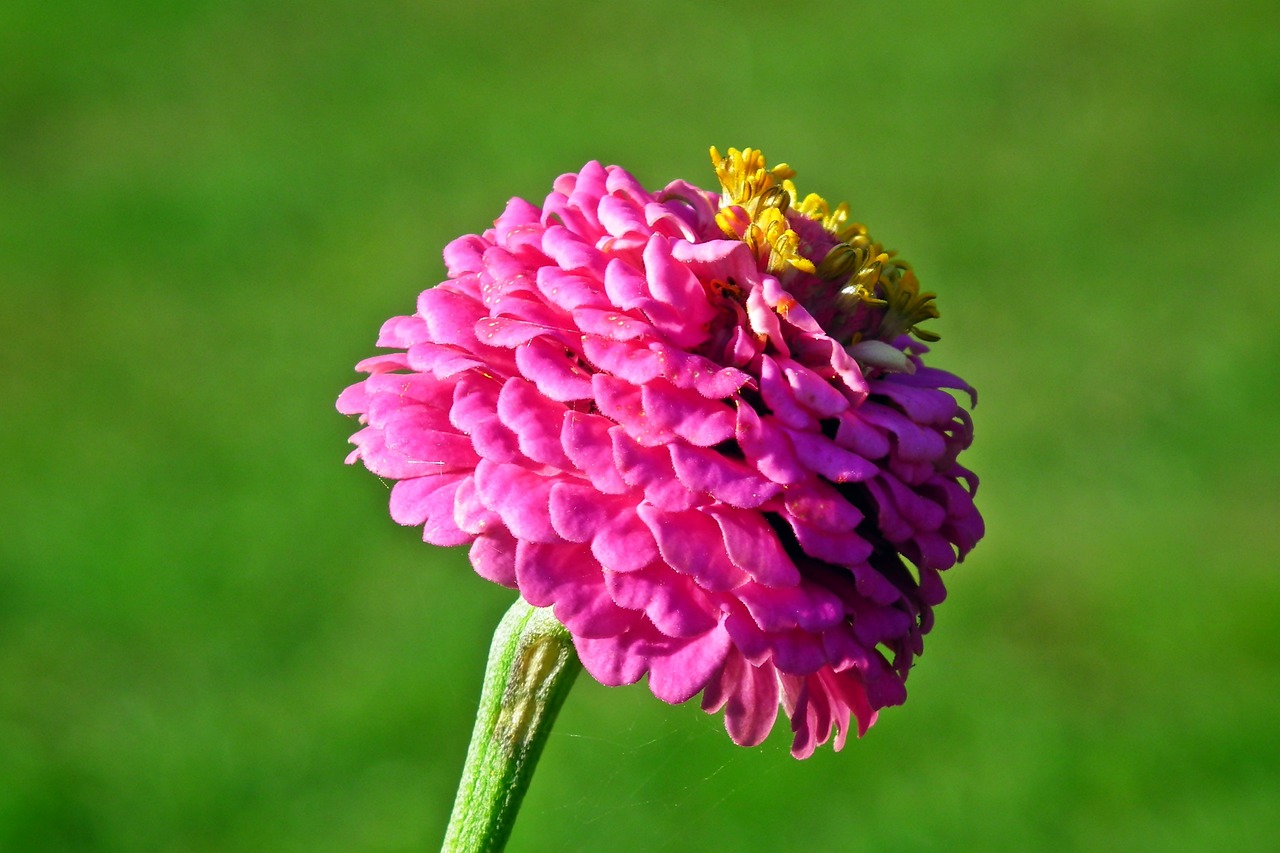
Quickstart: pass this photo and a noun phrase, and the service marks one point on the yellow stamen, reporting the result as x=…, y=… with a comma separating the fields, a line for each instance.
x=907, y=306
x=770, y=236
x=744, y=175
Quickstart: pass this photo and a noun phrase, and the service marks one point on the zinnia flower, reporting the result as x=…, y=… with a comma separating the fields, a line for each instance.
x=696, y=425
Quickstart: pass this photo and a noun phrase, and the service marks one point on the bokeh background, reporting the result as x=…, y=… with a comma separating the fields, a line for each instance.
x=213, y=638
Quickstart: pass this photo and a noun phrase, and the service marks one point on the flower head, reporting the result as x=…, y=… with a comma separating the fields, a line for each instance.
x=694, y=423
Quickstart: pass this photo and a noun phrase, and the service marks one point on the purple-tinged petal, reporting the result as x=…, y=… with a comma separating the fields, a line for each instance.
x=763, y=441
x=797, y=652
x=808, y=607
x=812, y=391
x=778, y=397
x=827, y=458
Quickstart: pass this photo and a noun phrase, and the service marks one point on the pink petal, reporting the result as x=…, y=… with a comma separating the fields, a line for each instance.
x=687, y=414
x=535, y=420
x=519, y=497
x=586, y=441
x=493, y=556
x=554, y=370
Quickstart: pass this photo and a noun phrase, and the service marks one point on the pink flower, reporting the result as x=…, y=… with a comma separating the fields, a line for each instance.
x=695, y=424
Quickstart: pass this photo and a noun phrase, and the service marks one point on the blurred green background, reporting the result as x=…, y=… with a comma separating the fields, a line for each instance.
x=213, y=638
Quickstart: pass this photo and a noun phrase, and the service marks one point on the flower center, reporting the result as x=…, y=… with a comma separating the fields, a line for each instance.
x=793, y=237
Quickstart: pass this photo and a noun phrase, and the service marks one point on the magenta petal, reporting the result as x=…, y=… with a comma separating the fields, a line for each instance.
x=753, y=546
x=475, y=413
x=570, y=252
x=680, y=310
x=681, y=674
x=411, y=433
x=439, y=360
x=388, y=363
x=621, y=402
x=750, y=700
x=613, y=661
x=578, y=511
x=565, y=576
x=622, y=216
x=568, y=290
x=624, y=543
x=732, y=482
x=470, y=513
x=463, y=254
x=649, y=468
x=613, y=325
x=625, y=285
x=678, y=668
x=633, y=364
x=619, y=539
x=690, y=543
x=354, y=400
x=450, y=316
x=673, y=602
x=778, y=397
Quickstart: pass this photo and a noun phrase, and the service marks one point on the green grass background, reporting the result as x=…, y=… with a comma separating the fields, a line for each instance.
x=212, y=637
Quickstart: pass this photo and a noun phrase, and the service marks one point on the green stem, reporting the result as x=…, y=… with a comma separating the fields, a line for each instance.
x=532, y=664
